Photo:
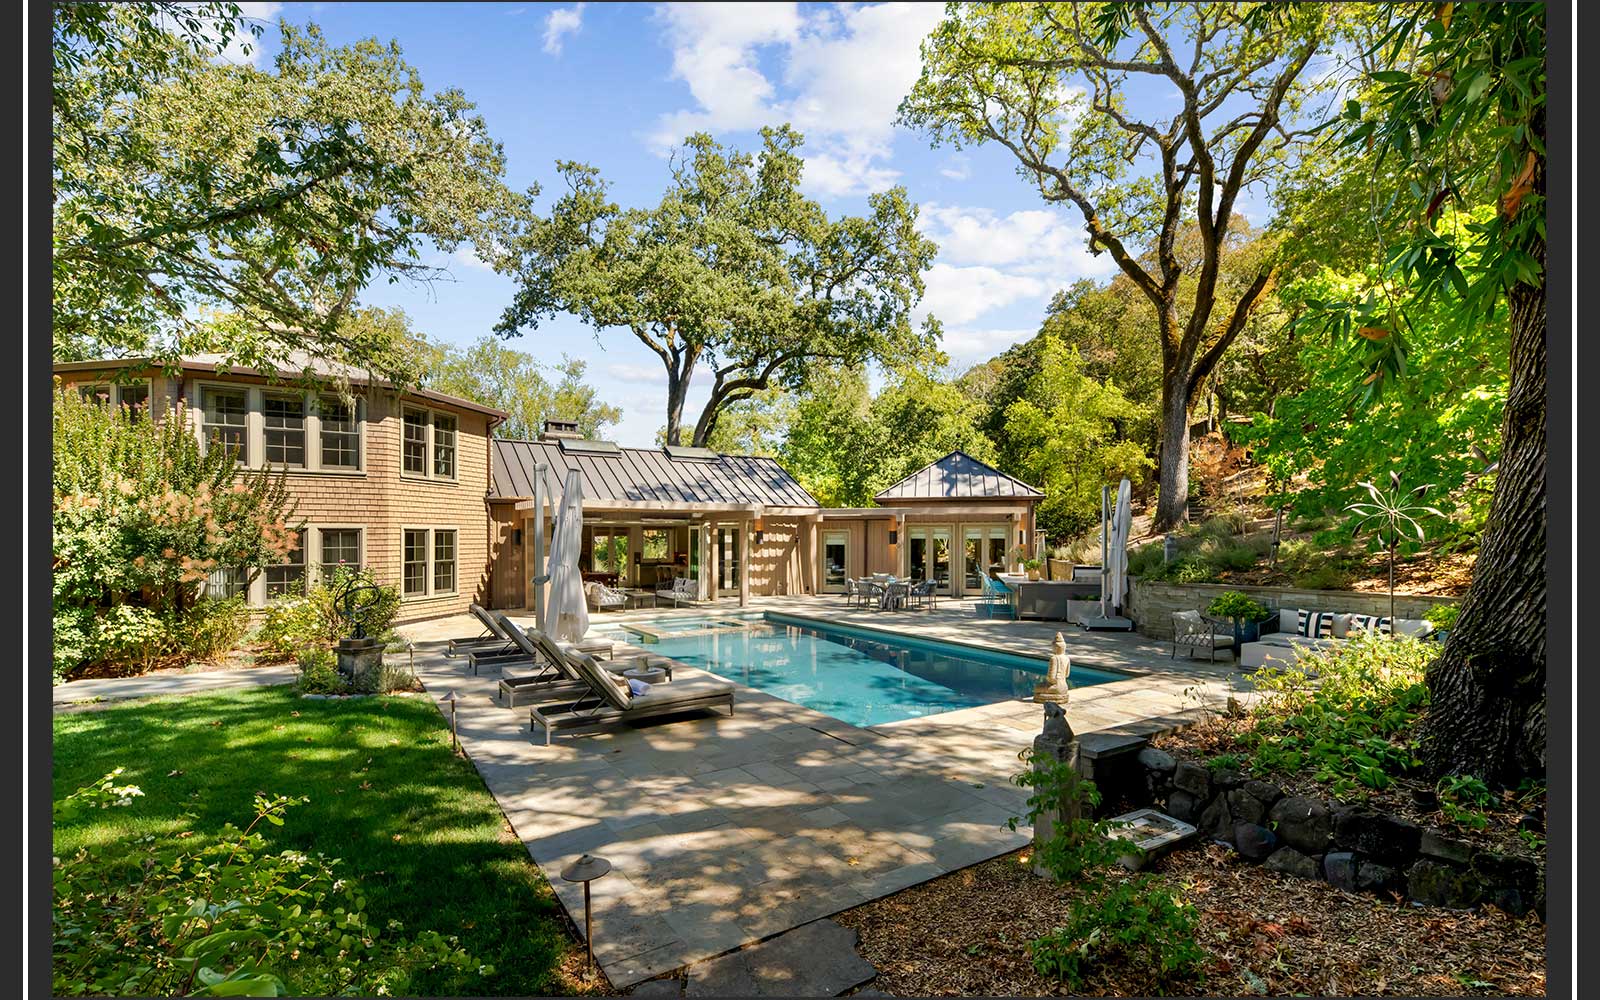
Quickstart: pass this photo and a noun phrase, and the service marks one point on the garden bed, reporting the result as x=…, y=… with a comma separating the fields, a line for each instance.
x=967, y=933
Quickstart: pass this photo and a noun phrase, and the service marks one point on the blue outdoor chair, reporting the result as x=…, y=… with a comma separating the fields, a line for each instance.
x=997, y=597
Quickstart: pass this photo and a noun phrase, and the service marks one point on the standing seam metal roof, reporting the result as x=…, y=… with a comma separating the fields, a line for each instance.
x=958, y=476
x=645, y=474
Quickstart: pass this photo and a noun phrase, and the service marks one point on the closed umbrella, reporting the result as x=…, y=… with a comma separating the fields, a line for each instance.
x=567, y=614
x=1121, y=529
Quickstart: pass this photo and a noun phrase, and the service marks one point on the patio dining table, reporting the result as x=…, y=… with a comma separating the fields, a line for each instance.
x=885, y=594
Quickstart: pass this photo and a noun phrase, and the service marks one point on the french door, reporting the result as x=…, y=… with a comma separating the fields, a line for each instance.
x=928, y=555
x=983, y=548
x=835, y=561
x=729, y=564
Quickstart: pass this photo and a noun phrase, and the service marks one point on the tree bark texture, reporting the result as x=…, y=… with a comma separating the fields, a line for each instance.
x=1172, y=503
x=1486, y=716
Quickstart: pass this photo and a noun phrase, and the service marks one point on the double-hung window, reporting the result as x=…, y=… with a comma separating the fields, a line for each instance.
x=341, y=436
x=428, y=562
x=134, y=395
x=222, y=419
x=428, y=443
x=288, y=577
x=284, y=420
x=340, y=547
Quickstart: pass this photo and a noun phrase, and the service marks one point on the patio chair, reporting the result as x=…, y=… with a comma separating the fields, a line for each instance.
x=548, y=670
x=997, y=597
x=602, y=597
x=872, y=593
x=896, y=595
x=487, y=637
x=682, y=589
x=508, y=653
x=852, y=592
x=926, y=594
x=605, y=702
x=1193, y=631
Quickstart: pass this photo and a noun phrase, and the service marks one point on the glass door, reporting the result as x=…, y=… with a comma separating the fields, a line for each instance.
x=728, y=561
x=917, y=554
x=835, y=560
x=983, y=547
x=928, y=555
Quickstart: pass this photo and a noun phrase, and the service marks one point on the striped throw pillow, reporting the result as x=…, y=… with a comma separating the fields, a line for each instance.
x=1384, y=625
x=1324, y=628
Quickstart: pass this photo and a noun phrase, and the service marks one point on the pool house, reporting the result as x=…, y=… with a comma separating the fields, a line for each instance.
x=740, y=526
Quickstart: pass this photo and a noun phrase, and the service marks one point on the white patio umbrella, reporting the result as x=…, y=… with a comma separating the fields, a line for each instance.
x=1121, y=528
x=567, y=613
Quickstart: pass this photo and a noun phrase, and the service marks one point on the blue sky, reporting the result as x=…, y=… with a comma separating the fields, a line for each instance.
x=615, y=85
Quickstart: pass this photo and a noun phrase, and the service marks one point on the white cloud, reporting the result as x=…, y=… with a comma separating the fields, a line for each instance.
x=468, y=257
x=243, y=48
x=844, y=70
x=957, y=167
x=959, y=295
x=624, y=372
x=561, y=22
x=969, y=345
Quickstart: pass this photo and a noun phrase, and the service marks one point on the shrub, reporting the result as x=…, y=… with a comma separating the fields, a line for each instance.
x=1136, y=926
x=1443, y=616
x=140, y=517
x=229, y=918
x=1328, y=576
x=1233, y=604
x=293, y=623
x=1189, y=570
x=212, y=628
x=1345, y=715
x=319, y=673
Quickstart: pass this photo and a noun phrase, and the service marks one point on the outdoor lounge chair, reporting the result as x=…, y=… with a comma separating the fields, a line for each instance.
x=682, y=589
x=607, y=702
x=547, y=669
x=602, y=597
x=1191, y=630
x=487, y=637
x=507, y=652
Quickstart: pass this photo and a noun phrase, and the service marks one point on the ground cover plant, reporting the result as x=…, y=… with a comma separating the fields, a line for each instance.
x=407, y=819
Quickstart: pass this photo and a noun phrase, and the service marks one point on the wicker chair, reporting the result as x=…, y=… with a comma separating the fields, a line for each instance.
x=603, y=598
x=926, y=594
x=1193, y=631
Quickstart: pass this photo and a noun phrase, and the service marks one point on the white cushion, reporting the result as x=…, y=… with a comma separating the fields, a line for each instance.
x=1418, y=628
x=1288, y=620
x=1341, y=626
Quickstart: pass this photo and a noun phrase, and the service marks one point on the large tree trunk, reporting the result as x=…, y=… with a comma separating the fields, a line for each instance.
x=1172, y=504
x=1486, y=715
x=677, y=389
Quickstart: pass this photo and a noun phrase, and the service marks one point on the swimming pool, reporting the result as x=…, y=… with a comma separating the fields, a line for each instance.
x=853, y=675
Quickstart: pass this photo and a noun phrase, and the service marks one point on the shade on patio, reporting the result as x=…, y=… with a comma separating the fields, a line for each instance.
x=567, y=614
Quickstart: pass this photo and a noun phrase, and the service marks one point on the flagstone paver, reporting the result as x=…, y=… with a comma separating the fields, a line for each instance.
x=723, y=831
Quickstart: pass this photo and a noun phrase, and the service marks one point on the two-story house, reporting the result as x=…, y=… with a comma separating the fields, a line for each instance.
x=395, y=483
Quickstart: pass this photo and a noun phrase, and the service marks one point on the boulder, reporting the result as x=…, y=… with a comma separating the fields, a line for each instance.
x=1157, y=760
x=1192, y=778
x=1303, y=823
x=1254, y=841
x=1507, y=872
x=1292, y=862
x=1227, y=778
x=1182, y=805
x=1375, y=834
x=1246, y=808
x=1339, y=868
x=1374, y=877
x=1436, y=844
x=1434, y=883
x=1216, y=821
x=1264, y=792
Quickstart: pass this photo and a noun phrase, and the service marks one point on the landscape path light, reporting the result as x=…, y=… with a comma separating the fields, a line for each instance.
x=586, y=869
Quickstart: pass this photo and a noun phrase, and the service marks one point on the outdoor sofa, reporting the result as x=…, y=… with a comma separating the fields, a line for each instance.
x=1298, y=630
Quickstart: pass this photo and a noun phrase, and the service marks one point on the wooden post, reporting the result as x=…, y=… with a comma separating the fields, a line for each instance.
x=745, y=549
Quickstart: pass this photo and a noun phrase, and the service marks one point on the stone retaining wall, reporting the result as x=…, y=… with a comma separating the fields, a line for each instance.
x=1151, y=603
x=1354, y=847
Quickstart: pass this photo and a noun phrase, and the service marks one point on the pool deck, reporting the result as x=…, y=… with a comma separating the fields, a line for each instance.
x=727, y=830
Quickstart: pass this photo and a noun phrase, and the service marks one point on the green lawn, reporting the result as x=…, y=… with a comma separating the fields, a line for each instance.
x=406, y=815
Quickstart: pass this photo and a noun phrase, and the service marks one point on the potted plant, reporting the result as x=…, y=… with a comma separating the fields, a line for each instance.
x=1444, y=618
x=1032, y=566
x=1247, y=615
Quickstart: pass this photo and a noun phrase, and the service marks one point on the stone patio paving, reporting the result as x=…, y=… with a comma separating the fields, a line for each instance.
x=726, y=830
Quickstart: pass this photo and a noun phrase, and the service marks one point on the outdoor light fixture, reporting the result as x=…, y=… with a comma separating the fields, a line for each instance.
x=759, y=534
x=894, y=536
x=450, y=697
x=586, y=869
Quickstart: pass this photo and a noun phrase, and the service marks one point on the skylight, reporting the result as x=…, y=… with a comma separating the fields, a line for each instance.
x=577, y=446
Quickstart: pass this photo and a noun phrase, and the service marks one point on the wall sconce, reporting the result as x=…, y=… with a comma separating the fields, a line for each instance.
x=516, y=536
x=894, y=536
x=759, y=534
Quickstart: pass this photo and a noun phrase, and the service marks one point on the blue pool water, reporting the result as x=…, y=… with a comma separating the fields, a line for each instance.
x=845, y=673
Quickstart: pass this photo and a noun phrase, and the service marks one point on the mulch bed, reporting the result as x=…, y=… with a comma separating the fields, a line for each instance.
x=967, y=933
x=1407, y=797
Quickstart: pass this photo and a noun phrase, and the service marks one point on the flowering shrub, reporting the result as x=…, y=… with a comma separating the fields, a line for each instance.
x=230, y=918
x=140, y=518
x=293, y=624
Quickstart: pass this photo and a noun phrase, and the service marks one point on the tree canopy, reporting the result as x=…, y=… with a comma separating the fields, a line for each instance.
x=183, y=184
x=734, y=273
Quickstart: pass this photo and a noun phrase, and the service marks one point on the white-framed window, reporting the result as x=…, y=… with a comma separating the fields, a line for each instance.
x=428, y=562
x=228, y=581
x=134, y=395
x=340, y=434
x=428, y=443
x=288, y=578
x=224, y=420
x=284, y=428
x=338, y=547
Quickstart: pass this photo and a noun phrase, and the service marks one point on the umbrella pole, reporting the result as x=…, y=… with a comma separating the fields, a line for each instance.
x=539, y=491
x=1105, y=563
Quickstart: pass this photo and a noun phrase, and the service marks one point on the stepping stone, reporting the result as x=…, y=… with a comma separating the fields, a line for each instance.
x=659, y=988
x=816, y=960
